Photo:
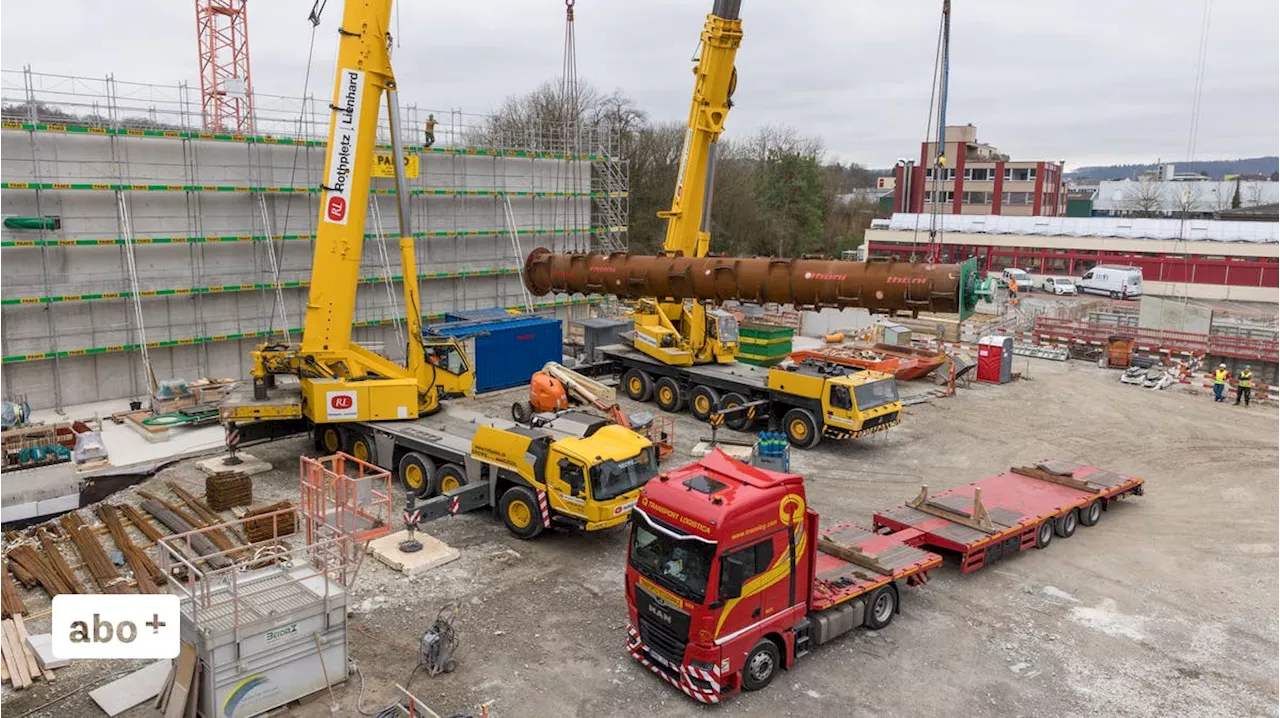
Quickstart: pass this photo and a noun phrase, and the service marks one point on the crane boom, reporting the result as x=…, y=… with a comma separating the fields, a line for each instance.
x=689, y=219
x=341, y=381
x=363, y=73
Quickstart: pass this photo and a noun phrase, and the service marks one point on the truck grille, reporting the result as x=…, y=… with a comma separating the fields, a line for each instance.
x=662, y=641
x=880, y=420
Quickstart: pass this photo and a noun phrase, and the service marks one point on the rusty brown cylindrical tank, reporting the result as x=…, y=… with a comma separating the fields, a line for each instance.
x=801, y=282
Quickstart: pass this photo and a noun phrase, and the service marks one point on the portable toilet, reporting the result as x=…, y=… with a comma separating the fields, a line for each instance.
x=995, y=359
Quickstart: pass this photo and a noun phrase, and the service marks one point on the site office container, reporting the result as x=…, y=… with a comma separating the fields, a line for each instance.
x=506, y=351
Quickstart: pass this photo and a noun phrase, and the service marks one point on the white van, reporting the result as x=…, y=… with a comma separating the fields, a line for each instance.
x=1115, y=282
x=1023, y=279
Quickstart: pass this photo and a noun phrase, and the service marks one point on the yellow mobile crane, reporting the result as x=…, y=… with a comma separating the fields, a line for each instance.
x=574, y=471
x=687, y=333
x=341, y=381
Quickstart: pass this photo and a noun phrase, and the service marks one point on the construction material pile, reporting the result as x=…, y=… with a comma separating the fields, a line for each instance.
x=228, y=488
x=269, y=526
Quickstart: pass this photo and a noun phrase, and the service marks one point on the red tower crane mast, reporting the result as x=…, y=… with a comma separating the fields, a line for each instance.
x=226, y=93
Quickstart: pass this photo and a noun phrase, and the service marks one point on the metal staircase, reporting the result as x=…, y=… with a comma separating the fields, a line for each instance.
x=609, y=176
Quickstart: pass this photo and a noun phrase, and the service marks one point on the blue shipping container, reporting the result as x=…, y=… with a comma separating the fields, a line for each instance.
x=507, y=352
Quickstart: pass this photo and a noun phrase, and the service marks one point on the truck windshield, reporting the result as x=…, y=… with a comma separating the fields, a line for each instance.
x=611, y=479
x=680, y=565
x=876, y=393
x=727, y=328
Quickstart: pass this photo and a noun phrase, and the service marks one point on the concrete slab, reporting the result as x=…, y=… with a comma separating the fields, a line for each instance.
x=741, y=453
x=434, y=553
x=119, y=696
x=249, y=464
x=42, y=645
x=125, y=447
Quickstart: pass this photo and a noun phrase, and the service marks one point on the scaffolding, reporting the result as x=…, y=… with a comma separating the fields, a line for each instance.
x=170, y=237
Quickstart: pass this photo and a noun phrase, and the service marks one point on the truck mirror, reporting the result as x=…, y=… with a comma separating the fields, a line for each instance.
x=734, y=575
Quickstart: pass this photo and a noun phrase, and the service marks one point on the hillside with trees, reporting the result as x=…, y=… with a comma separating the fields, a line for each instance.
x=776, y=193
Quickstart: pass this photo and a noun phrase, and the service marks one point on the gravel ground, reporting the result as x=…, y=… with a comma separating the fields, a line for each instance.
x=1167, y=607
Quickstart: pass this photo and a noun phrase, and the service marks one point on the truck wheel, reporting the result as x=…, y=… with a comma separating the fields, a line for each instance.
x=361, y=446
x=520, y=512
x=448, y=478
x=801, y=428
x=881, y=606
x=739, y=421
x=638, y=385
x=522, y=412
x=417, y=474
x=702, y=401
x=1044, y=534
x=1092, y=513
x=761, y=665
x=670, y=397
x=1066, y=524
x=329, y=439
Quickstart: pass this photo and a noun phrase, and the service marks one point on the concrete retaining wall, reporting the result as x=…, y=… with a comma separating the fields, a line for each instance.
x=470, y=257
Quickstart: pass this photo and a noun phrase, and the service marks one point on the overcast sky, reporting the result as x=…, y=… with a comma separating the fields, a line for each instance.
x=1088, y=81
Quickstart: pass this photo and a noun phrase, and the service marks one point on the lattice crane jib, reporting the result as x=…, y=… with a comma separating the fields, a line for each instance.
x=226, y=90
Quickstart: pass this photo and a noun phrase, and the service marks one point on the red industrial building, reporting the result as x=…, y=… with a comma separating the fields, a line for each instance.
x=978, y=179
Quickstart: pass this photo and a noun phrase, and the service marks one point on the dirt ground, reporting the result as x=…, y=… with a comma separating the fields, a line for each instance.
x=1167, y=607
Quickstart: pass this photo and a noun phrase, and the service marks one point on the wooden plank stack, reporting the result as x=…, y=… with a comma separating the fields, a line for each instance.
x=269, y=527
x=18, y=663
x=228, y=488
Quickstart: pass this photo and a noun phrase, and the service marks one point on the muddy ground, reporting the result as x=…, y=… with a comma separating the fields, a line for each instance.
x=1166, y=607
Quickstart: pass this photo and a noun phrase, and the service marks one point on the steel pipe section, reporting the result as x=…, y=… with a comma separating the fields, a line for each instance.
x=874, y=285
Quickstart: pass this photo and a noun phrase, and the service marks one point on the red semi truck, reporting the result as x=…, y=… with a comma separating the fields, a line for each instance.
x=730, y=580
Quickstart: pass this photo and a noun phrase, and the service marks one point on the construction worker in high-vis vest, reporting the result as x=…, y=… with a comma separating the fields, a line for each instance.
x=1244, y=387
x=1220, y=383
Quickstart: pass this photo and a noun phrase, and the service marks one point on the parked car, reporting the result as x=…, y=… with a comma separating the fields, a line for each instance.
x=1022, y=278
x=1060, y=285
x=1115, y=282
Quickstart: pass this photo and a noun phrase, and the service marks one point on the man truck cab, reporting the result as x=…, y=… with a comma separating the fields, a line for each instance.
x=1115, y=282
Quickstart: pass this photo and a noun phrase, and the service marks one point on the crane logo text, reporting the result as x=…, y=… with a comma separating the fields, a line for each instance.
x=343, y=145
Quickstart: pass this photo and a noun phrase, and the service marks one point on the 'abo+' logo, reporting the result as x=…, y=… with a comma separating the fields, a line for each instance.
x=337, y=209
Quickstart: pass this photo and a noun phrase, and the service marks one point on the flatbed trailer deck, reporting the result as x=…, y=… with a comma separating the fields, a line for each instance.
x=1014, y=511
x=883, y=558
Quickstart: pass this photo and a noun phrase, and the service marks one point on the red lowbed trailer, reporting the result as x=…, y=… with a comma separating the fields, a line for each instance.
x=730, y=580
x=1002, y=515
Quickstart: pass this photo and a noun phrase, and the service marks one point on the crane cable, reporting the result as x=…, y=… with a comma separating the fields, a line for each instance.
x=572, y=171
x=938, y=99
x=1186, y=203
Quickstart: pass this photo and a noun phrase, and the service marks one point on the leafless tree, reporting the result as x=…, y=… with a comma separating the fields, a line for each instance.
x=1187, y=199
x=1253, y=195
x=1145, y=198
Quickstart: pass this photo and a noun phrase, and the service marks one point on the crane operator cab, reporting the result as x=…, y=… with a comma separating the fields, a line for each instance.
x=722, y=326
x=834, y=401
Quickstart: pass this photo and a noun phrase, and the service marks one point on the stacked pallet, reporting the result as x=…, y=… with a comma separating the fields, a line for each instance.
x=269, y=527
x=764, y=344
x=228, y=488
x=19, y=664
